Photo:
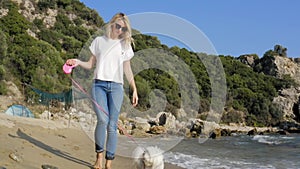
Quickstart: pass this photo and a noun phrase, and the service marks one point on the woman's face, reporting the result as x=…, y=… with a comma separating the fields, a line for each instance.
x=119, y=27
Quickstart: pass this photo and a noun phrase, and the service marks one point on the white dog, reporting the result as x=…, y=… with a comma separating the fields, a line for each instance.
x=148, y=158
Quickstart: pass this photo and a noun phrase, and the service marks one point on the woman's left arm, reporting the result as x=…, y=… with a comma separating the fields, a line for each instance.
x=130, y=78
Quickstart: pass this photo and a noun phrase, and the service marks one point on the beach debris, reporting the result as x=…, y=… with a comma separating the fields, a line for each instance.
x=14, y=157
x=47, y=166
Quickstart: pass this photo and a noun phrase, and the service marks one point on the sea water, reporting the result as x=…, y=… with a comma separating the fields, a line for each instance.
x=241, y=151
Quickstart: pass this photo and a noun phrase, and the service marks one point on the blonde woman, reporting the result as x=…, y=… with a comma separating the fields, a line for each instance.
x=111, y=53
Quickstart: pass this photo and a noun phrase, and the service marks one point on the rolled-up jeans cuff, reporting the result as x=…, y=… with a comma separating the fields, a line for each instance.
x=109, y=156
x=99, y=151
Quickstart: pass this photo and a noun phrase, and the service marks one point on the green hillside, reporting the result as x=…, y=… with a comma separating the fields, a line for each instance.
x=33, y=50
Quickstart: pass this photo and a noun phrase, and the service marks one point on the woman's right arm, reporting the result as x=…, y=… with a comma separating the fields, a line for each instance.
x=86, y=65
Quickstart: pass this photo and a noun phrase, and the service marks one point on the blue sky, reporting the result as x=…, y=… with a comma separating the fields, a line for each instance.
x=234, y=27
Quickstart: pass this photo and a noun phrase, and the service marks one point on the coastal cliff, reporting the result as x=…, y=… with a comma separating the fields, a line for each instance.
x=280, y=66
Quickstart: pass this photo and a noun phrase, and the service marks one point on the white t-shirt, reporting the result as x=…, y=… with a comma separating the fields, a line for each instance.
x=110, y=56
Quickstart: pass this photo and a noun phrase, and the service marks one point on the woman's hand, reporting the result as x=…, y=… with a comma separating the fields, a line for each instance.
x=72, y=62
x=135, y=98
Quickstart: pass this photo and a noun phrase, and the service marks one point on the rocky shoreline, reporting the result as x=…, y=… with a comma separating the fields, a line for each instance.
x=163, y=123
x=166, y=123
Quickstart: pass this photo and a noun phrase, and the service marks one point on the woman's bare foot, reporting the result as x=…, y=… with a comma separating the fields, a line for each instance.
x=98, y=163
x=108, y=164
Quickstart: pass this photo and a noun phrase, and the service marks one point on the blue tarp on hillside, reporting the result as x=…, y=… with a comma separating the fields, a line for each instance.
x=19, y=110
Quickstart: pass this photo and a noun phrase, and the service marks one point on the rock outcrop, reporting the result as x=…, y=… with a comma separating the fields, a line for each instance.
x=287, y=66
x=288, y=99
x=276, y=63
x=248, y=59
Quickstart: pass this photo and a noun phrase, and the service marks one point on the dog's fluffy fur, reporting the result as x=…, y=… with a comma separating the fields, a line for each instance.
x=148, y=158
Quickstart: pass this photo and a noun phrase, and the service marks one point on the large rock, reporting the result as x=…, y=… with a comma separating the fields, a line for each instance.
x=158, y=130
x=288, y=99
x=286, y=102
x=248, y=59
x=167, y=120
x=142, y=124
x=287, y=66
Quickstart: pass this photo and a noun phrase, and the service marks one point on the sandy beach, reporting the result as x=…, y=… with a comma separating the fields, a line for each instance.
x=29, y=143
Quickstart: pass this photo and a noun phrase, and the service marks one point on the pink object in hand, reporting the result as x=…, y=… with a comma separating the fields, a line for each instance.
x=67, y=68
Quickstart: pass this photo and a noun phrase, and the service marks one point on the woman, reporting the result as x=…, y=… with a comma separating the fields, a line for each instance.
x=111, y=53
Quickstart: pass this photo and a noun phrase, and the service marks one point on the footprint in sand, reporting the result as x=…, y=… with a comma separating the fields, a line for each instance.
x=47, y=166
x=76, y=148
x=46, y=155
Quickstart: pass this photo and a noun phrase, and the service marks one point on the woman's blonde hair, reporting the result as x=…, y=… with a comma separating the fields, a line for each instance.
x=125, y=36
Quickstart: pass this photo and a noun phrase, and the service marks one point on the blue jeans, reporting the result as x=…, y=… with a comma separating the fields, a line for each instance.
x=109, y=98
